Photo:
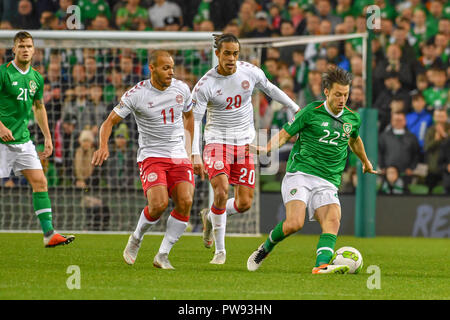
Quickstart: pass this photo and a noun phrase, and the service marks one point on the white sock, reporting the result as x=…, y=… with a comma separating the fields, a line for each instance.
x=219, y=223
x=143, y=226
x=231, y=210
x=174, y=229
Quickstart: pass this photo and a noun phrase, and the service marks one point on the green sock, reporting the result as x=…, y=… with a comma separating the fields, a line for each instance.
x=325, y=248
x=275, y=236
x=43, y=210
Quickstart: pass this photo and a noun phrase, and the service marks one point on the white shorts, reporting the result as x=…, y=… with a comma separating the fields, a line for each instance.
x=315, y=192
x=18, y=157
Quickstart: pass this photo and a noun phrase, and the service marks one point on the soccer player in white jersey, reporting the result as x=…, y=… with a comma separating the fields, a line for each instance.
x=225, y=92
x=162, y=108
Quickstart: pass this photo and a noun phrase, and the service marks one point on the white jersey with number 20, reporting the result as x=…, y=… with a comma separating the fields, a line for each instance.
x=228, y=102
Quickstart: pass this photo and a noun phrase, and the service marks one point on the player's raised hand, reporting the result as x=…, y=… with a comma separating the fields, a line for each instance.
x=101, y=155
x=197, y=163
x=48, y=149
x=368, y=168
x=6, y=134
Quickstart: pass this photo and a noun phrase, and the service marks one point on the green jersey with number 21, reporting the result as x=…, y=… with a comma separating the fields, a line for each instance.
x=321, y=149
x=18, y=90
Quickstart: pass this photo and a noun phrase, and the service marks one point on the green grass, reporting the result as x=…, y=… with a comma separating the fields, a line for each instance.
x=411, y=268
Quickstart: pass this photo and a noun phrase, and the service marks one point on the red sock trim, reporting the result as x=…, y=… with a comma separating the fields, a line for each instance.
x=147, y=215
x=179, y=216
x=217, y=210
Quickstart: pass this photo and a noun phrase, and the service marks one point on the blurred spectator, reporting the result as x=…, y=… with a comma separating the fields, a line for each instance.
x=299, y=70
x=27, y=17
x=312, y=25
x=421, y=82
x=430, y=55
x=120, y=168
x=129, y=77
x=394, y=63
x=172, y=24
x=421, y=31
x=435, y=138
x=400, y=37
x=246, y=18
x=313, y=90
x=392, y=182
x=324, y=11
x=442, y=43
x=89, y=9
x=132, y=16
x=356, y=64
x=297, y=16
x=357, y=98
x=95, y=111
x=270, y=68
x=233, y=28
x=49, y=21
x=261, y=29
x=398, y=147
x=99, y=23
x=393, y=90
x=62, y=13
x=68, y=144
x=444, y=164
x=419, y=120
x=94, y=74
x=78, y=75
x=437, y=95
x=335, y=57
x=287, y=30
x=85, y=173
x=161, y=10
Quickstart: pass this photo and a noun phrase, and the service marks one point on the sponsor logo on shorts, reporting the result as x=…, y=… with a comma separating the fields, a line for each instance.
x=152, y=176
x=293, y=191
x=218, y=165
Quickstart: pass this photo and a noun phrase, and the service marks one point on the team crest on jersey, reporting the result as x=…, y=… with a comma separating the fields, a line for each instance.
x=245, y=84
x=152, y=176
x=347, y=128
x=179, y=99
x=33, y=87
x=218, y=165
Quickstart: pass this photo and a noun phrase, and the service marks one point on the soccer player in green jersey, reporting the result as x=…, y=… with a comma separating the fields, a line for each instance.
x=314, y=169
x=21, y=89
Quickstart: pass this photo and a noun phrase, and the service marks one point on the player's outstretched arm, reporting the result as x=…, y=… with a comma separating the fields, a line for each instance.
x=40, y=114
x=102, y=153
x=357, y=147
x=275, y=143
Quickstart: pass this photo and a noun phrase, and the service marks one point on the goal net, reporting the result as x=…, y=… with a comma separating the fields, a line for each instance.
x=85, y=74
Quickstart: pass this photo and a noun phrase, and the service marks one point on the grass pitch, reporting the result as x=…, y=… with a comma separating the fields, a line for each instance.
x=409, y=268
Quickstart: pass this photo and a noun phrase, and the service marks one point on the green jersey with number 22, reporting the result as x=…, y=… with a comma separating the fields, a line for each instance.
x=321, y=149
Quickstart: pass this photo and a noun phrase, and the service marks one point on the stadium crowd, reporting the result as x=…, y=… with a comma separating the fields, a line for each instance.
x=410, y=83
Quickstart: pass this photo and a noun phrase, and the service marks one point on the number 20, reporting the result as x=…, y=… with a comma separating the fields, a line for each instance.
x=237, y=102
x=250, y=178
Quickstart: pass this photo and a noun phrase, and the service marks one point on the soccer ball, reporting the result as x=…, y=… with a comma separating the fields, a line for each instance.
x=348, y=256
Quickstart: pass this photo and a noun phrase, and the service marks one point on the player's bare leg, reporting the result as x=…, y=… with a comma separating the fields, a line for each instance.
x=329, y=217
x=182, y=195
x=242, y=201
x=218, y=216
x=158, y=200
x=295, y=219
x=42, y=207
